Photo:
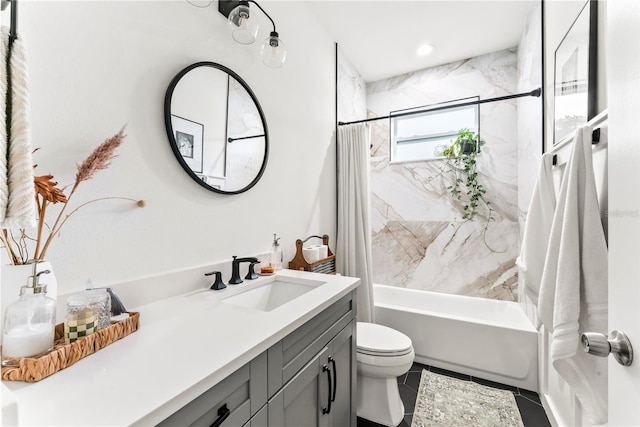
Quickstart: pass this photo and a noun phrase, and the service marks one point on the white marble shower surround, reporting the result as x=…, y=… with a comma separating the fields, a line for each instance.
x=352, y=91
x=417, y=243
x=436, y=256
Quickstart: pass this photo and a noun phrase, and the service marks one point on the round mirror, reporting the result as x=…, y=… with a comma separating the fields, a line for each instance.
x=216, y=128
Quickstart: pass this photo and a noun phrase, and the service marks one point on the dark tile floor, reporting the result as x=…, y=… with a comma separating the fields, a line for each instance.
x=531, y=410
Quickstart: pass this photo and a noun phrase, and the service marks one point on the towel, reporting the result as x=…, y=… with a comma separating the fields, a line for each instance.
x=573, y=290
x=4, y=81
x=537, y=229
x=20, y=204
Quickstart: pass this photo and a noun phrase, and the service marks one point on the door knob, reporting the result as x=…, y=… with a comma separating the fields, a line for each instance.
x=599, y=345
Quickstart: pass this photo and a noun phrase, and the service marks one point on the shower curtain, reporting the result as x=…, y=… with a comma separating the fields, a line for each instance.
x=354, y=212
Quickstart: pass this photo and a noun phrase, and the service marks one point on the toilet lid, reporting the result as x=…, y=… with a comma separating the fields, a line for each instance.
x=379, y=339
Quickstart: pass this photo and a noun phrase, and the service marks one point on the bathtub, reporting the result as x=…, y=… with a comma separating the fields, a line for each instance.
x=483, y=338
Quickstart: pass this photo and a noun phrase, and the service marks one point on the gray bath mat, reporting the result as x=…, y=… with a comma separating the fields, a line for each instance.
x=450, y=402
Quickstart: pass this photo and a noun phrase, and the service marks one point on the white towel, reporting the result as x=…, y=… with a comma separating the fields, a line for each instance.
x=537, y=229
x=573, y=291
x=21, y=210
x=4, y=185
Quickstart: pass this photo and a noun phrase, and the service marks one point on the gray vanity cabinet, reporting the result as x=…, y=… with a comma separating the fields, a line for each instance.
x=305, y=400
x=306, y=379
x=322, y=393
x=312, y=371
x=287, y=357
x=261, y=419
x=232, y=402
x=342, y=362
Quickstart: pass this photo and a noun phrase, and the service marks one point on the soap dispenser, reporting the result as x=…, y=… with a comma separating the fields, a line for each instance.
x=276, y=254
x=29, y=323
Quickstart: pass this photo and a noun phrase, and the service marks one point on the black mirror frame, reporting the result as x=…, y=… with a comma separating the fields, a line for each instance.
x=174, y=144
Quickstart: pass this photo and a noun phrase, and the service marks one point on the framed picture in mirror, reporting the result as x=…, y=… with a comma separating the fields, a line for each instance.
x=575, y=70
x=189, y=136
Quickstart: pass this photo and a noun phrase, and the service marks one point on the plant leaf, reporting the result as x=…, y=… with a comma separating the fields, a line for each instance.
x=47, y=188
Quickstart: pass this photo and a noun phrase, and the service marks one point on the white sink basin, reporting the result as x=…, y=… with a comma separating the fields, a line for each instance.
x=270, y=296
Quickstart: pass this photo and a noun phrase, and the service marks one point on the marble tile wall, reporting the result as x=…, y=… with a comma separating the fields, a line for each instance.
x=529, y=123
x=352, y=91
x=416, y=241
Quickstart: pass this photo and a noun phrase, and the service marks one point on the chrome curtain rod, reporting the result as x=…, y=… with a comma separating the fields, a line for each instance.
x=536, y=92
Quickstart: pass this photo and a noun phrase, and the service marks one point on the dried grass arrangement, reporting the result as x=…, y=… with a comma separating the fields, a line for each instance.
x=47, y=192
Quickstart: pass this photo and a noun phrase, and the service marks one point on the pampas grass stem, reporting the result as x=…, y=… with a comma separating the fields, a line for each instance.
x=47, y=191
x=99, y=159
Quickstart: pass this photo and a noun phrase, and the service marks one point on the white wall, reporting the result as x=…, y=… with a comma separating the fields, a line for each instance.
x=95, y=66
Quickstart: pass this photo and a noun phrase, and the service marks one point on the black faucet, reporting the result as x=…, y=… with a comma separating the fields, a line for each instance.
x=235, y=268
x=217, y=284
x=251, y=275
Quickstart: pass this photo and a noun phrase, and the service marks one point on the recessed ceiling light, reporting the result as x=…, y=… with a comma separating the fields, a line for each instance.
x=424, y=50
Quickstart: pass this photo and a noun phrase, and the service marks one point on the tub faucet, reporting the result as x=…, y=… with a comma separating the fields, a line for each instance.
x=235, y=268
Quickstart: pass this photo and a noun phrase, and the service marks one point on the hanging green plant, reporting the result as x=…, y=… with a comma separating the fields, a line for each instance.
x=460, y=164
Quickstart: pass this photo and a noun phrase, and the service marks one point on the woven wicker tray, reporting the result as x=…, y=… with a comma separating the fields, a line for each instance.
x=32, y=369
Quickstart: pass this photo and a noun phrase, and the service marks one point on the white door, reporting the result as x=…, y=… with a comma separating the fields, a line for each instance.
x=623, y=76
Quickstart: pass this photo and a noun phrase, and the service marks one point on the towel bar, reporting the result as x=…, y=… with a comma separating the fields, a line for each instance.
x=595, y=138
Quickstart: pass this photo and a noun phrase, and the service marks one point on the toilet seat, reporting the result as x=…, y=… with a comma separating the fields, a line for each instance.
x=381, y=341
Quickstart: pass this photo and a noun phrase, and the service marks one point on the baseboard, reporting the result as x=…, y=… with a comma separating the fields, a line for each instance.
x=549, y=410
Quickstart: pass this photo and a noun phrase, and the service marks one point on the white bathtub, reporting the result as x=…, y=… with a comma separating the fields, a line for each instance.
x=484, y=338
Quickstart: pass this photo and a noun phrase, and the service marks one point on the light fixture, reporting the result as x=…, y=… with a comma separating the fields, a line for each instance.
x=273, y=51
x=244, y=27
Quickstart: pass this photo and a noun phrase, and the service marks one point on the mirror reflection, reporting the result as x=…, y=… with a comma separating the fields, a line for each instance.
x=216, y=128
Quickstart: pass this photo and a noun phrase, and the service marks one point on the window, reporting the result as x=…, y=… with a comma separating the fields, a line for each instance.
x=424, y=135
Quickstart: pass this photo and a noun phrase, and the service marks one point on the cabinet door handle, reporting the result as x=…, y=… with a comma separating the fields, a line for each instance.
x=335, y=378
x=327, y=410
x=223, y=414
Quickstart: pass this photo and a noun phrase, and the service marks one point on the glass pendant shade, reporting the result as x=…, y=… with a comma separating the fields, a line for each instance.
x=244, y=28
x=273, y=51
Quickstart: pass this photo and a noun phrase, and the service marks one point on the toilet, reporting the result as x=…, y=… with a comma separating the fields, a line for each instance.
x=382, y=355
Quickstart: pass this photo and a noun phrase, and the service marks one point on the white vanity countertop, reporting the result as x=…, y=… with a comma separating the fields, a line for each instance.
x=184, y=346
